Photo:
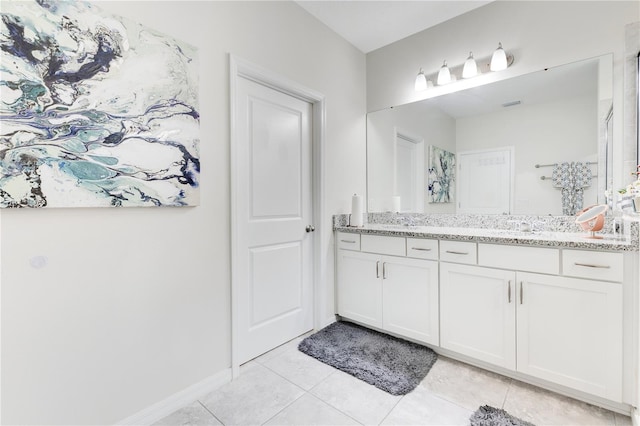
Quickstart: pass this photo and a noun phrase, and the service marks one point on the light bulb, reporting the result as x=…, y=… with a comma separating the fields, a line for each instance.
x=444, y=75
x=470, y=68
x=421, y=81
x=499, y=59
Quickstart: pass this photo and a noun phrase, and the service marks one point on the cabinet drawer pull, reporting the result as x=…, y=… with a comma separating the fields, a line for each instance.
x=348, y=241
x=384, y=270
x=420, y=249
x=509, y=292
x=589, y=265
x=378, y=269
x=457, y=252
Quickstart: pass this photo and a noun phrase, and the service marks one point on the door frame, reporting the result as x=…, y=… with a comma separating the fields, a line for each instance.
x=240, y=68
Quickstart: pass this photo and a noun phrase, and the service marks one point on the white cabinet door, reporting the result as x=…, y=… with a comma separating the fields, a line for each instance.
x=570, y=332
x=410, y=298
x=360, y=287
x=477, y=313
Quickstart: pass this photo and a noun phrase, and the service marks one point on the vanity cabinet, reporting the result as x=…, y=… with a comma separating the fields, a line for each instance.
x=393, y=293
x=558, y=315
x=477, y=313
x=570, y=332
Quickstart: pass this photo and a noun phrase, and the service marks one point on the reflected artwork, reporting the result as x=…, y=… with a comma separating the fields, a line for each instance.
x=96, y=110
x=441, y=172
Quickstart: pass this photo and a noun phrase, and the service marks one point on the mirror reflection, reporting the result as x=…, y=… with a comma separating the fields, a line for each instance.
x=534, y=144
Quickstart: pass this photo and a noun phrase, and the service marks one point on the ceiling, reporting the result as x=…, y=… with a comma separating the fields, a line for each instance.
x=369, y=25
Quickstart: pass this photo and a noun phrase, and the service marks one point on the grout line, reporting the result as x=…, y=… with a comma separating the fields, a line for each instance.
x=209, y=411
x=506, y=395
x=283, y=408
x=392, y=408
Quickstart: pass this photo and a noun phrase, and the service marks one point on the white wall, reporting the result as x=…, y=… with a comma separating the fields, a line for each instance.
x=539, y=33
x=423, y=121
x=127, y=307
x=547, y=133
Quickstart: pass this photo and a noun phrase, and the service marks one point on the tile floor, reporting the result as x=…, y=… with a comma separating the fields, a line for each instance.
x=287, y=387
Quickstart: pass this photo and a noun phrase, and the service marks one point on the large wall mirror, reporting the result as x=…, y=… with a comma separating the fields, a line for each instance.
x=536, y=144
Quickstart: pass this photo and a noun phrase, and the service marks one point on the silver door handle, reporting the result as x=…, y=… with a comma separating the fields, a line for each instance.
x=521, y=293
x=589, y=265
x=310, y=228
x=457, y=252
x=509, y=292
x=420, y=249
x=378, y=269
x=384, y=270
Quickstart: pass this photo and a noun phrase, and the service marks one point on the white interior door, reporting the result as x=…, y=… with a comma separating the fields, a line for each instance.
x=485, y=181
x=274, y=210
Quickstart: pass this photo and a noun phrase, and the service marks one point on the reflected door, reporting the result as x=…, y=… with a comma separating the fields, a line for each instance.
x=485, y=181
x=409, y=173
x=274, y=209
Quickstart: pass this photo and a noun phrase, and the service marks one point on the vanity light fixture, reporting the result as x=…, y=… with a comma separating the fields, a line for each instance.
x=500, y=60
x=470, y=68
x=421, y=81
x=444, y=75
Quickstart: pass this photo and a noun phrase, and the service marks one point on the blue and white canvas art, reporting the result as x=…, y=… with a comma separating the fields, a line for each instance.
x=95, y=110
x=441, y=175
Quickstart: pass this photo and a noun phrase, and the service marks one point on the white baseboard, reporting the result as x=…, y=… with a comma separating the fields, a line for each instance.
x=178, y=400
x=635, y=417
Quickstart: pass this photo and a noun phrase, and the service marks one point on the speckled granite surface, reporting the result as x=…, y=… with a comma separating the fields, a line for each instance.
x=548, y=231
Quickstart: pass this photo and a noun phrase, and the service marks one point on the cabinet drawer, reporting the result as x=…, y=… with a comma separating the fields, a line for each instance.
x=394, y=246
x=348, y=241
x=422, y=248
x=528, y=259
x=458, y=252
x=593, y=264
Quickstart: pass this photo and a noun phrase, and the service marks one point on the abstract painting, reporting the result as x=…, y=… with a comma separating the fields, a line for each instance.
x=441, y=172
x=95, y=110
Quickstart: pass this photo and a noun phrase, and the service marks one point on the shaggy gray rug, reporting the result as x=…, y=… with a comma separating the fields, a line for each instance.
x=386, y=362
x=490, y=416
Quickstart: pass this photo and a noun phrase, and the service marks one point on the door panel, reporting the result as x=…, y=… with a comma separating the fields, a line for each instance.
x=410, y=298
x=477, y=313
x=276, y=149
x=569, y=332
x=274, y=206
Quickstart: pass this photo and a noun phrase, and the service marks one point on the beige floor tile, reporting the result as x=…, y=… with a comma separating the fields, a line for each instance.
x=194, y=414
x=252, y=399
x=421, y=407
x=359, y=400
x=542, y=407
x=309, y=410
x=299, y=368
x=465, y=385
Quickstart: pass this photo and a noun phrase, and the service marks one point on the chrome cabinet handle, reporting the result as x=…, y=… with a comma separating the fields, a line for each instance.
x=457, y=252
x=348, y=241
x=521, y=293
x=589, y=265
x=384, y=270
x=310, y=228
x=509, y=292
x=378, y=269
x=420, y=249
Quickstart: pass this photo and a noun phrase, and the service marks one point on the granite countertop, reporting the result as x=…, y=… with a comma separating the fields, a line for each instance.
x=608, y=242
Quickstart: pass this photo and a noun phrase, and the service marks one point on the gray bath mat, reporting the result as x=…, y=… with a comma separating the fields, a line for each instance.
x=388, y=363
x=490, y=416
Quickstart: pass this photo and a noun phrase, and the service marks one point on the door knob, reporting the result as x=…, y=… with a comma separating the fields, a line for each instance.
x=310, y=228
